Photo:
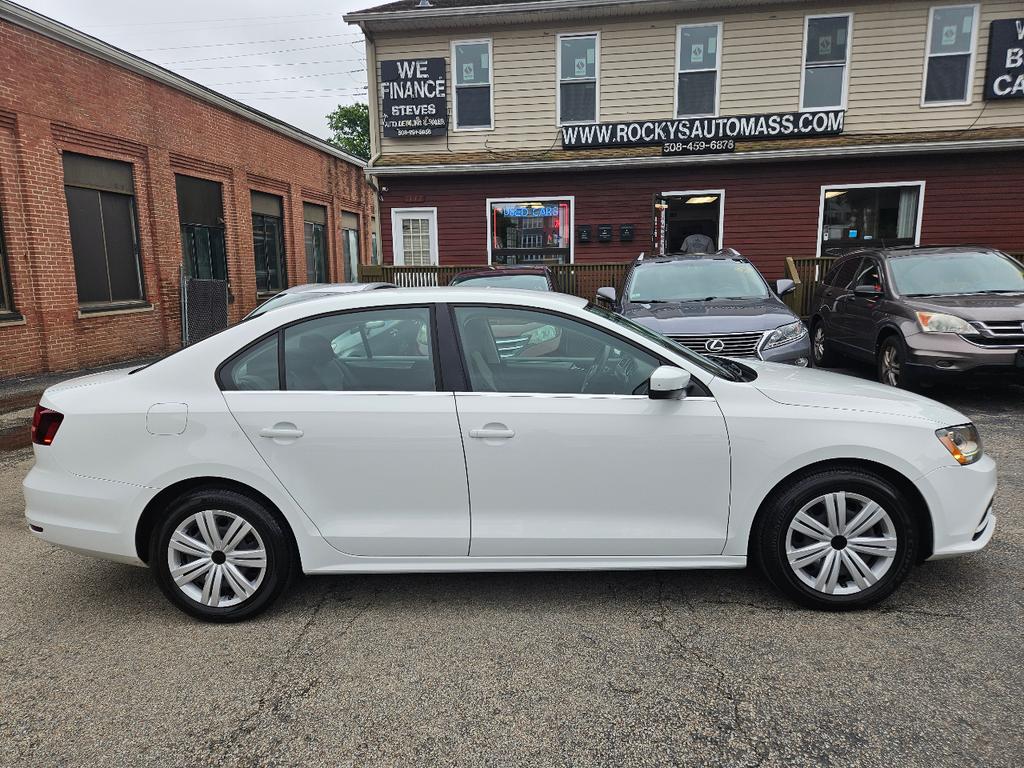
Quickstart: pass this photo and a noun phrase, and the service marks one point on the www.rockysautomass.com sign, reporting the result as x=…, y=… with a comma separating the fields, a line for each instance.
x=642, y=133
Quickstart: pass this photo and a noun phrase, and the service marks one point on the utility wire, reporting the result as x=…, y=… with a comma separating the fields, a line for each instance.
x=209, y=21
x=246, y=42
x=280, y=64
x=257, y=53
x=290, y=77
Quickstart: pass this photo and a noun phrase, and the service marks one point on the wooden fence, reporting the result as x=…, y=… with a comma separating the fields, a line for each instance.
x=581, y=280
x=806, y=272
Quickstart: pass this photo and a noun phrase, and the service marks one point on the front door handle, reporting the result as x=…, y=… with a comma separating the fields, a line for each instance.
x=281, y=432
x=492, y=433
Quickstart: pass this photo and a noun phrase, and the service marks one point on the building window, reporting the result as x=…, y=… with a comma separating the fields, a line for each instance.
x=314, y=227
x=861, y=215
x=826, y=62
x=950, y=57
x=472, y=75
x=530, y=231
x=6, y=299
x=350, y=245
x=414, y=233
x=578, y=65
x=698, y=68
x=201, y=217
x=268, y=242
x=104, y=239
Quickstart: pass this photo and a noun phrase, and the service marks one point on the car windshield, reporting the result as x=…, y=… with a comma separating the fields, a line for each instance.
x=530, y=282
x=695, y=280
x=705, y=363
x=956, y=273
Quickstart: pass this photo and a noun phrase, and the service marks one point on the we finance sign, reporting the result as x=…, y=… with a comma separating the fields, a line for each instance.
x=413, y=97
x=643, y=133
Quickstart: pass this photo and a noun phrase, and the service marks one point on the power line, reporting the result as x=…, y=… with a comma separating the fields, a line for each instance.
x=299, y=90
x=257, y=53
x=246, y=42
x=290, y=77
x=276, y=98
x=209, y=21
x=281, y=64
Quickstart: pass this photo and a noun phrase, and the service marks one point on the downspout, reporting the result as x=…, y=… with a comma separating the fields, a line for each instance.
x=372, y=90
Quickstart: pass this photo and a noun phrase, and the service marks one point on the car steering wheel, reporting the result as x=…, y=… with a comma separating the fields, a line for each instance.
x=596, y=368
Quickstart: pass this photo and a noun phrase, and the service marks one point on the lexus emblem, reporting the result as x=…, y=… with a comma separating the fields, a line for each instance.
x=714, y=345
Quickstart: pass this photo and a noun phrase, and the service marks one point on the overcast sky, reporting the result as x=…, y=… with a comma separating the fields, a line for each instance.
x=296, y=64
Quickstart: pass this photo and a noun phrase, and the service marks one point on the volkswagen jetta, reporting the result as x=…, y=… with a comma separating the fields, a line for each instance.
x=402, y=430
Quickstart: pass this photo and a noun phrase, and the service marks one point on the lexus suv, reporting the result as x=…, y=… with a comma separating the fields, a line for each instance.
x=922, y=313
x=713, y=303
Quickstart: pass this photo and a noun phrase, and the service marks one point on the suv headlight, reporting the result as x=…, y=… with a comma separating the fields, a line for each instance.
x=786, y=334
x=936, y=322
x=963, y=442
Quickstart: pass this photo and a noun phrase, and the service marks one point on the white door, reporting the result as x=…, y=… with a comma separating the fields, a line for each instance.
x=414, y=234
x=566, y=454
x=359, y=437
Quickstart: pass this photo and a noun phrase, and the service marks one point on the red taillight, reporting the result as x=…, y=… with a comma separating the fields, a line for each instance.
x=45, y=424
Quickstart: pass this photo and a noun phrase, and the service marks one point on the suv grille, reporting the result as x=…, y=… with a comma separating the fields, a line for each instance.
x=1000, y=333
x=733, y=344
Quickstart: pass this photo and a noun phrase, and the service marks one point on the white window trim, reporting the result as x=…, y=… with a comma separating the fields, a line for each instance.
x=558, y=77
x=456, y=86
x=971, y=62
x=397, y=254
x=721, y=207
x=873, y=185
x=846, y=66
x=559, y=198
x=678, y=69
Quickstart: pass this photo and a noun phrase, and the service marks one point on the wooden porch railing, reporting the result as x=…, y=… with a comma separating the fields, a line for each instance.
x=581, y=280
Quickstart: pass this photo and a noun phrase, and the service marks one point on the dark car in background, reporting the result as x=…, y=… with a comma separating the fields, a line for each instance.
x=920, y=313
x=529, y=278
x=713, y=303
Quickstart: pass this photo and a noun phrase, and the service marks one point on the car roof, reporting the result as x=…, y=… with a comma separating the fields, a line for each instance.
x=337, y=287
x=899, y=251
x=727, y=254
x=503, y=270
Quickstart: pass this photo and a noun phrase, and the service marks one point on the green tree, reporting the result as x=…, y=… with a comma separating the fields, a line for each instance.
x=350, y=126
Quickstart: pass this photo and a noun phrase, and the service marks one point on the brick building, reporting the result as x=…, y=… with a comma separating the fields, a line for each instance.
x=114, y=173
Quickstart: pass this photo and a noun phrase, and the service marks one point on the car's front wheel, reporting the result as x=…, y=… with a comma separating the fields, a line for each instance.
x=219, y=555
x=838, y=539
x=892, y=364
x=821, y=350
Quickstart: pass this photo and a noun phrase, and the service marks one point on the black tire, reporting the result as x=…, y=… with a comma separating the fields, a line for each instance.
x=772, y=534
x=902, y=377
x=822, y=353
x=280, y=561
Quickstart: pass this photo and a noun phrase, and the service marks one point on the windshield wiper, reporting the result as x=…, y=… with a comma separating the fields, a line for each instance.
x=734, y=369
x=1003, y=290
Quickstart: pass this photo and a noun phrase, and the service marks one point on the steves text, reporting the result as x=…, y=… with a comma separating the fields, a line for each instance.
x=414, y=97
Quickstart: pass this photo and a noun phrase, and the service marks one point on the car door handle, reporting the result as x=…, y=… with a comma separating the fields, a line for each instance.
x=287, y=433
x=492, y=433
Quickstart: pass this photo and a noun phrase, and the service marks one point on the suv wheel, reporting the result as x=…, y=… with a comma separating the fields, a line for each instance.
x=219, y=555
x=838, y=539
x=821, y=350
x=892, y=364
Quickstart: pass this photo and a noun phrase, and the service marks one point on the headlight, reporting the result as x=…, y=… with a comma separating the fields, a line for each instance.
x=786, y=334
x=935, y=322
x=963, y=442
x=542, y=334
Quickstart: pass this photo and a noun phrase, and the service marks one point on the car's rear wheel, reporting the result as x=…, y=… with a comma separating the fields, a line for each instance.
x=892, y=363
x=838, y=539
x=220, y=555
x=822, y=352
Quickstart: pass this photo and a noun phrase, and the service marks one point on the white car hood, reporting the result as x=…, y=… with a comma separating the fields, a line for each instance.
x=812, y=388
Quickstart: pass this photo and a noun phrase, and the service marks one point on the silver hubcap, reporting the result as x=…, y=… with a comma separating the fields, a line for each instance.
x=841, y=543
x=891, y=366
x=217, y=558
x=819, y=344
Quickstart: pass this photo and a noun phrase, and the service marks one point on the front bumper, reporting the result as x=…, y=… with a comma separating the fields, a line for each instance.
x=948, y=353
x=960, y=502
x=90, y=516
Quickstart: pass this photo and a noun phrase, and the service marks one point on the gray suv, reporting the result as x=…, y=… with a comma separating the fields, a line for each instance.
x=713, y=303
x=922, y=313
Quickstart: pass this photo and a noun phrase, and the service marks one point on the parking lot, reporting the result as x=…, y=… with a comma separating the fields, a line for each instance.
x=617, y=669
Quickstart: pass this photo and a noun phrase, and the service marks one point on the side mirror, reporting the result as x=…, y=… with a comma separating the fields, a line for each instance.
x=867, y=291
x=782, y=287
x=606, y=295
x=668, y=383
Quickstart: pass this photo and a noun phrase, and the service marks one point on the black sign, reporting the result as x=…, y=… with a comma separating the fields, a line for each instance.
x=643, y=133
x=604, y=233
x=1004, y=76
x=583, y=233
x=626, y=233
x=698, y=147
x=414, y=97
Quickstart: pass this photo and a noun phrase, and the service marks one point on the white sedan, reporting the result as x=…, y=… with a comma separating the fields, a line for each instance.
x=437, y=429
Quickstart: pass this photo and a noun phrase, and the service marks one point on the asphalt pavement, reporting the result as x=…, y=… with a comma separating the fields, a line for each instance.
x=575, y=669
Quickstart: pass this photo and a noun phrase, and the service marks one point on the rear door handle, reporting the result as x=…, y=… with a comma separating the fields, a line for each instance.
x=277, y=433
x=492, y=433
